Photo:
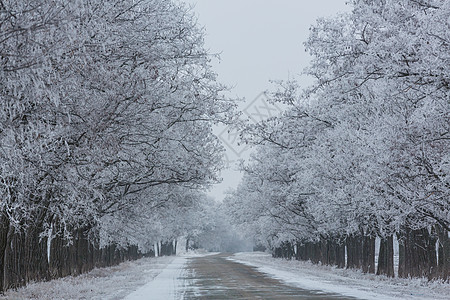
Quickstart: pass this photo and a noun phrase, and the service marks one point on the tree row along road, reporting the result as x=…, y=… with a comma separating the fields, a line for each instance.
x=215, y=277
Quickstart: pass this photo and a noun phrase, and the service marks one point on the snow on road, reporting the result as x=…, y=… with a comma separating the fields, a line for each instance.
x=166, y=286
x=346, y=282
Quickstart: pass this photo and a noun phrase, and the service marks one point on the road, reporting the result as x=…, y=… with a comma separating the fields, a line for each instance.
x=215, y=277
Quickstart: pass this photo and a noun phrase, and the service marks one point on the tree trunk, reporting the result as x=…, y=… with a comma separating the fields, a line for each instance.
x=287, y=250
x=368, y=254
x=14, y=260
x=315, y=252
x=37, y=268
x=300, y=255
x=419, y=254
x=4, y=229
x=354, y=251
x=187, y=244
x=386, y=257
x=443, y=254
x=401, y=255
x=23, y=255
x=340, y=255
x=331, y=252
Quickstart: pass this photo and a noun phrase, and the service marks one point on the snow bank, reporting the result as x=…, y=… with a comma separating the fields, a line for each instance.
x=346, y=282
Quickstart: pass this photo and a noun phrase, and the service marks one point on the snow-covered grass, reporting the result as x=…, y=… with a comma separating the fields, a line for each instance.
x=347, y=282
x=103, y=283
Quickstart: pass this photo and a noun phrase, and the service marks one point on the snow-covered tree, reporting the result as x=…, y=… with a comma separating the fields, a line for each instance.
x=102, y=104
x=363, y=150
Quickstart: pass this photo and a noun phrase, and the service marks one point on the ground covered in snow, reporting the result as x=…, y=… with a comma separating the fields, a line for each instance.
x=100, y=284
x=165, y=278
x=346, y=282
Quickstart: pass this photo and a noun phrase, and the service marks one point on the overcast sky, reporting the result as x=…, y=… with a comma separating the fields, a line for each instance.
x=258, y=41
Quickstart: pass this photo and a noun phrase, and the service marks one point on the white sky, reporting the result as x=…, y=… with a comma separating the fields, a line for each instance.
x=259, y=40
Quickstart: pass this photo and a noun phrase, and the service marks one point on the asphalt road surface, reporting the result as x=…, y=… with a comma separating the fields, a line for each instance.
x=215, y=277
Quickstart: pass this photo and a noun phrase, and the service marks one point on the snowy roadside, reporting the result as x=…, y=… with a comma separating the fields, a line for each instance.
x=155, y=277
x=346, y=282
x=102, y=283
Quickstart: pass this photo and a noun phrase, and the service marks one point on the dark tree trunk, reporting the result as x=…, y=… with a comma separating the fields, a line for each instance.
x=54, y=264
x=331, y=252
x=23, y=254
x=83, y=251
x=443, y=254
x=353, y=252
x=163, y=249
x=276, y=252
x=307, y=251
x=419, y=254
x=350, y=255
x=340, y=255
x=430, y=261
x=36, y=255
x=14, y=261
x=368, y=254
x=401, y=255
x=314, y=252
x=386, y=257
x=301, y=252
x=287, y=250
x=167, y=248
x=323, y=251
x=359, y=252
x=4, y=229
